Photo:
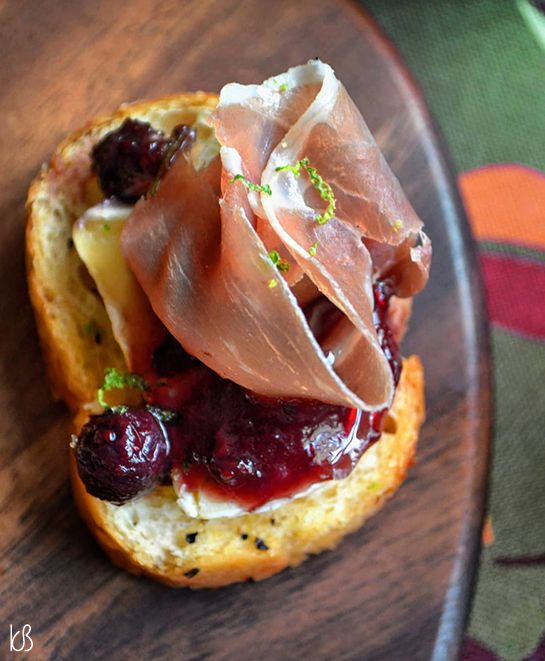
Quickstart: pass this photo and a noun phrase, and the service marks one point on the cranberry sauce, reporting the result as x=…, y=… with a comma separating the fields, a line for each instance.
x=225, y=440
x=382, y=292
x=130, y=159
x=248, y=449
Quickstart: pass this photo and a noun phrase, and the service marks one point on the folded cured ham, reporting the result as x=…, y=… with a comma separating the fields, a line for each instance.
x=202, y=255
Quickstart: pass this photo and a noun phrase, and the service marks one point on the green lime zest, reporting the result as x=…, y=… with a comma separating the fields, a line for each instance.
x=257, y=188
x=106, y=228
x=323, y=188
x=116, y=380
x=313, y=249
x=398, y=224
x=282, y=87
x=281, y=264
x=272, y=283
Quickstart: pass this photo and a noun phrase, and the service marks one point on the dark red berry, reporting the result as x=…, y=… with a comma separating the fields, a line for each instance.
x=121, y=455
x=129, y=160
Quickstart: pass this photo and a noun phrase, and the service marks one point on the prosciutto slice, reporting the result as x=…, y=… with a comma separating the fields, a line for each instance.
x=200, y=247
x=306, y=112
x=210, y=280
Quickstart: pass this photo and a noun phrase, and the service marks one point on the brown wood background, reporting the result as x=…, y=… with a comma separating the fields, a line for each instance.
x=399, y=588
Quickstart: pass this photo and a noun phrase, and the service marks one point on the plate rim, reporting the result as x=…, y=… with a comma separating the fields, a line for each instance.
x=458, y=597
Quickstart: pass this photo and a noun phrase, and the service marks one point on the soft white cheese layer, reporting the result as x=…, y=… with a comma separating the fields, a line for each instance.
x=199, y=505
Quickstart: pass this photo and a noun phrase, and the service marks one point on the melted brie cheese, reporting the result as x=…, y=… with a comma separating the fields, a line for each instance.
x=96, y=236
x=200, y=505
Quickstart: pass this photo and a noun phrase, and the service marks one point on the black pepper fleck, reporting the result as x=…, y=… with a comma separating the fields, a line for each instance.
x=244, y=536
x=192, y=572
x=98, y=337
x=191, y=537
x=260, y=545
x=273, y=522
x=70, y=243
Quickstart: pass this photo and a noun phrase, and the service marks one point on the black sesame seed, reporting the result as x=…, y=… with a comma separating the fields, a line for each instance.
x=191, y=537
x=244, y=536
x=192, y=572
x=273, y=522
x=70, y=243
x=98, y=337
x=260, y=545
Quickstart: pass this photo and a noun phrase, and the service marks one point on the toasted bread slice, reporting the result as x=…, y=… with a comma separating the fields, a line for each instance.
x=151, y=534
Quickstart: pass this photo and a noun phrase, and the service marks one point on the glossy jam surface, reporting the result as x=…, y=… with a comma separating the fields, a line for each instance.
x=129, y=160
x=250, y=450
x=229, y=442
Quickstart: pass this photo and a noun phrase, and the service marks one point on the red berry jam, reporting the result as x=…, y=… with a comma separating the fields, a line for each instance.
x=129, y=160
x=227, y=441
x=240, y=447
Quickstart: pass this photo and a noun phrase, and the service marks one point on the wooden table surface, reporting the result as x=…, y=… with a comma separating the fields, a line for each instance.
x=397, y=589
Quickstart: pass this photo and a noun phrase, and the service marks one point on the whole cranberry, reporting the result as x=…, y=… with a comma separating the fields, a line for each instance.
x=122, y=454
x=129, y=160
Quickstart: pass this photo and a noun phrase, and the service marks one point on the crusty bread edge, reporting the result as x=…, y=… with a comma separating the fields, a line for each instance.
x=408, y=410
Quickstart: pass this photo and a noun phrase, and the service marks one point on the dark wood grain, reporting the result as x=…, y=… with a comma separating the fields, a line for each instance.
x=399, y=588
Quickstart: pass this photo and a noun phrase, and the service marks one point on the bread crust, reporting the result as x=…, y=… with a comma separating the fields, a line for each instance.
x=63, y=299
